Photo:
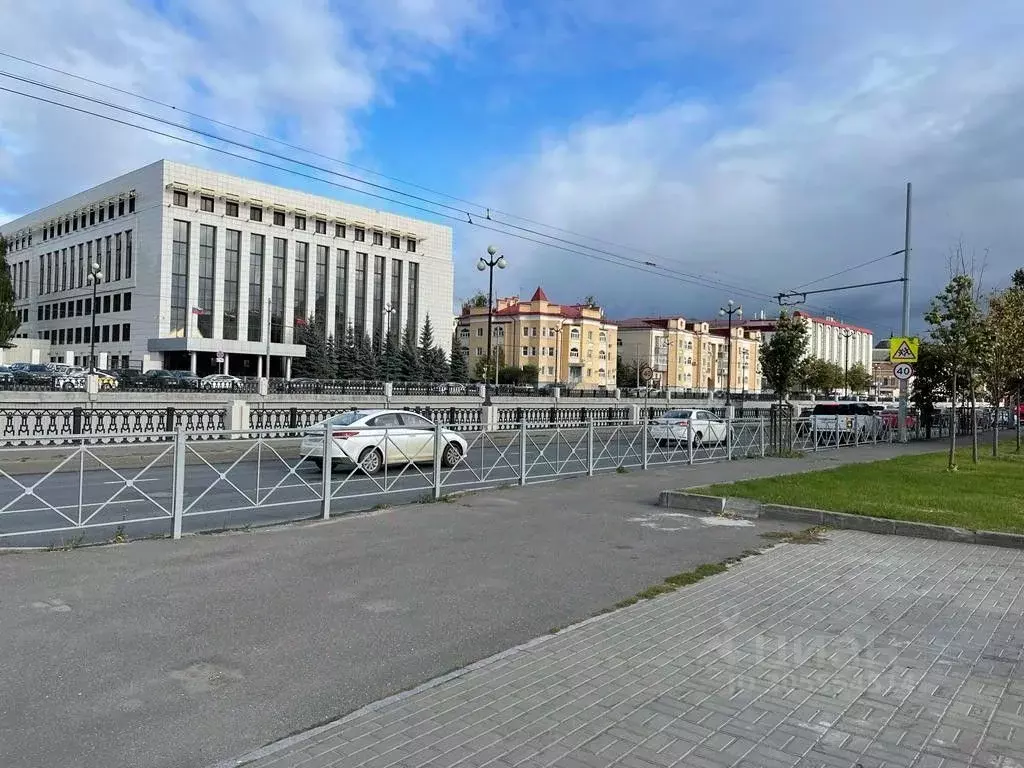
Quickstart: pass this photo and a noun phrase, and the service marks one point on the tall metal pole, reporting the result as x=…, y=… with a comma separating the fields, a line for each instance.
x=905, y=325
x=490, y=264
x=92, y=337
x=847, y=334
x=732, y=310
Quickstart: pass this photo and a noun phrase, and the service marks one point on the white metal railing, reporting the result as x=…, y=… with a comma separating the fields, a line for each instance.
x=181, y=482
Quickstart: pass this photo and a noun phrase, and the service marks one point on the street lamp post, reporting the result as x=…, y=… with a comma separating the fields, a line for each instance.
x=94, y=277
x=729, y=312
x=389, y=310
x=847, y=334
x=490, y=264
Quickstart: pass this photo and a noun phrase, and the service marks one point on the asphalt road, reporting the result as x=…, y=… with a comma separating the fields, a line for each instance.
x=179, y=655
x=87, y=503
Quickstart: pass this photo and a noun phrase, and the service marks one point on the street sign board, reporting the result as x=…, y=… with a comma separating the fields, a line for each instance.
x=903, y=371
x=220, y=357
x=646, y=373
x=904, y=349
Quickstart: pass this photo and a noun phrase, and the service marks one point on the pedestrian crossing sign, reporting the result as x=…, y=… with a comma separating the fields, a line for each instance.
x=904, y=349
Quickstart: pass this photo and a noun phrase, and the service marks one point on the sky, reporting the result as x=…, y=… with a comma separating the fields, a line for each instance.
x=744, y=147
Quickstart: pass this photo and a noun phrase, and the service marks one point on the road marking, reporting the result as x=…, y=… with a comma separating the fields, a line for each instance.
x=658, y=521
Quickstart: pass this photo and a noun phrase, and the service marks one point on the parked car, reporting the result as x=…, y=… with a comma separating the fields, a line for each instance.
x=678, y=425
x=172, y=379
x=6, y=375
x=842, y=422
x=76, y=381
x=373, y=439
x=33, y=373
x=220, y=381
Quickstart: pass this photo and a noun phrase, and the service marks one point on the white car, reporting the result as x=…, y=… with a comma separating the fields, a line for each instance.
x=374, y=439
x=677, y=426
x=220, y=381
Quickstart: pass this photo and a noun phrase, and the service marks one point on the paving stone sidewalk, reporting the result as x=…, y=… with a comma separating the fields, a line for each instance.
x=862, y=651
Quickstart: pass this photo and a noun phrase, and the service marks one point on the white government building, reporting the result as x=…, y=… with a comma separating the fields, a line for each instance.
x=198, y=265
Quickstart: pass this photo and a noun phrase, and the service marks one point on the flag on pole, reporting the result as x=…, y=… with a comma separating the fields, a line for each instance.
x=199, y=311
x=300, y=322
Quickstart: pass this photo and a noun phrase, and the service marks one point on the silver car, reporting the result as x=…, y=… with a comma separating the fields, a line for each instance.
x=373, y=439
x=679, y=426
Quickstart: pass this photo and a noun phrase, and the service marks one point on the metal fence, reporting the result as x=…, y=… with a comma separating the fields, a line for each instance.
x=53, y=426
x=89, y=490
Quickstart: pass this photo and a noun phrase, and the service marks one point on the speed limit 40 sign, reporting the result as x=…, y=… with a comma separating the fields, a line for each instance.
x=903, y=371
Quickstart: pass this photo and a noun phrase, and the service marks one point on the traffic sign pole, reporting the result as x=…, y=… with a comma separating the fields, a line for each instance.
x=905, y=329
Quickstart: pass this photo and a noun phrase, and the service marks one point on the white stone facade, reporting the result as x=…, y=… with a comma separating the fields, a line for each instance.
x=207, y=312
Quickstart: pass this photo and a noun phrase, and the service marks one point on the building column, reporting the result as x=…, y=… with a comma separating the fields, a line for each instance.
x=192, y=362
x=259, y=366
x=288, y=368
x=226, y=365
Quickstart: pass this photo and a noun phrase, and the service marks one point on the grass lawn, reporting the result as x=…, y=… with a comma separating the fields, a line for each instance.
x=987, y=496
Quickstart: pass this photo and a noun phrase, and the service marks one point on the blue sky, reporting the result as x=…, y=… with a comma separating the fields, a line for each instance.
x=745, y=146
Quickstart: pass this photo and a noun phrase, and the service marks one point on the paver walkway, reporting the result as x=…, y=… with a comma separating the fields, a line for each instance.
x=863, y=651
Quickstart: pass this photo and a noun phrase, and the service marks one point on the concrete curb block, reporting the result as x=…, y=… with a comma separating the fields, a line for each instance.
x=716, y=505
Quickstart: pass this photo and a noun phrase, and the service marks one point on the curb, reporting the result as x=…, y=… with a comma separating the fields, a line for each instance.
x=718, y=505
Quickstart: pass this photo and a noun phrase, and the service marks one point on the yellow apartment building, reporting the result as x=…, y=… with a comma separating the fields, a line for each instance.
x=570, y=344
x=691, y=354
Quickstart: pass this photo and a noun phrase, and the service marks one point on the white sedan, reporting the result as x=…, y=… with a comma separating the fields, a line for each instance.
x=219, y=381
x=374, y=439
x=679, y=426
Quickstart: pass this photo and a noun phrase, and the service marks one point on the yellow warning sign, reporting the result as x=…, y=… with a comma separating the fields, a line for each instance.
x=903, y=349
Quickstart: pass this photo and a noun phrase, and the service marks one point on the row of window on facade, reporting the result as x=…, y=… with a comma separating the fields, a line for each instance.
x=528, y=332
x=112, y=302
x=115, y=362
x=65, y=225
x=207, y=204
x=404, y=281
x=83, y=334
x=69, y=268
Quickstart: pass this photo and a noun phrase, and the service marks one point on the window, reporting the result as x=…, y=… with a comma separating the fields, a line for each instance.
x=110, y=210
x=300, y=222
x=74, y=224
x=78, y=335
x=533, y=351
x=106, y=332
x=180, y=199
x=109, y=259
x=87, y=335
x=526, y=351
x=115, y=333
x=256, y=251
x=378, y=299
x=131, y=204
x=92, y=218
x=231, y=208
x=64, y=269
x=128, y=254
x=277, y=271
x=412, y=295
x=179, y=278
x=378, y=238
x=78, y=306
x=81, y=264
x=126, y=335
x=321, y=227
x=127, y=302
x=526, y=333
x=359, y=233
x=60, y=336
x=88, y=307
x=103, y=213
x=320, y=282
x=60, y=225
x=301, y=273
x=84, y=220
x=39, y=313
x=232, y=268
x=255, y=213
x=120, y=207
x=480, y=331
x=341, y=297
x=207, y=248
x=62, y=310
x=395, y=241
x=106, y=304
x=206, y=204
x=117, y=256
x=116, y=302
x=278, y=218
x=360, y=308
x=339, y=230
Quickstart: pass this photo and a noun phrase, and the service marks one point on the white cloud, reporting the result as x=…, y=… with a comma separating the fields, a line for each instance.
x=301, y=70
x=802, y=175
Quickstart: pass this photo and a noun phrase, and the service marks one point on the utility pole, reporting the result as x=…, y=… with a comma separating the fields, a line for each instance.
x=905, y=325
x=847, y=334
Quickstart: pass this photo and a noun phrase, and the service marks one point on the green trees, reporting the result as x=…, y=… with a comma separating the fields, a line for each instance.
x=931, y=378
x=819, y=376
x=1003, y=351
x=459, y=363
x=9, y=320
x=858, y=378
x=781, y=355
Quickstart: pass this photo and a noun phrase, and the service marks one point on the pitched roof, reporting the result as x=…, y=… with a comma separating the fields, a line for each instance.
x=539, y=295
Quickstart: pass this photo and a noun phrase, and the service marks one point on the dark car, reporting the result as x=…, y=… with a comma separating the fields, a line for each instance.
x=35, y=373
x=161, y=379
